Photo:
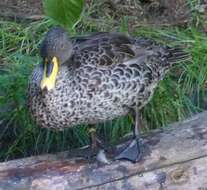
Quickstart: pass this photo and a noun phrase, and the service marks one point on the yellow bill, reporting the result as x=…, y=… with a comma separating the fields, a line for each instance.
x=50, y=74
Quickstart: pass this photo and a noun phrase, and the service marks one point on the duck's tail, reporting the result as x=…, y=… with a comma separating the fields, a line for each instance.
x=177, y=54
x=170, y=55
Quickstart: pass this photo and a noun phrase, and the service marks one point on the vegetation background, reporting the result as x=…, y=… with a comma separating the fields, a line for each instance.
x=182, y=93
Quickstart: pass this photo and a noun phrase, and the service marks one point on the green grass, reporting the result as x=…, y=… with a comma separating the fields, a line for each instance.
x=181, y=94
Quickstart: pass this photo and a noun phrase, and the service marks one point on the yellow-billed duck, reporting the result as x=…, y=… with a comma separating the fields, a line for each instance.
x=97, y=78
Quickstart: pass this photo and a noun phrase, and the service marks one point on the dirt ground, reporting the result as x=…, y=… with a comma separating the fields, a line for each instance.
x=139, y=12
x=20, y=8
x=147, y=12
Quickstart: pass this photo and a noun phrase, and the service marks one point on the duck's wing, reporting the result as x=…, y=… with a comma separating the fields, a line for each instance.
x=103, y=49
x=108, y=49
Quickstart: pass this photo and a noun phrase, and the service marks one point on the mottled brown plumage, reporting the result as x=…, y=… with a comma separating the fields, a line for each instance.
x=101, y=77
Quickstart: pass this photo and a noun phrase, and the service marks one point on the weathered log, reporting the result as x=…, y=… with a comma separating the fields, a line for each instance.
x=175, y=158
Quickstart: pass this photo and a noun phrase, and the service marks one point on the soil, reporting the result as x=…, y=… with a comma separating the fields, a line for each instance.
x=20, y=9
x=146, y=12
x=139, y=12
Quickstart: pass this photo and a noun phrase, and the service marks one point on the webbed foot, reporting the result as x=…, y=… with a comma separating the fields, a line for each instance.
x=133, y=152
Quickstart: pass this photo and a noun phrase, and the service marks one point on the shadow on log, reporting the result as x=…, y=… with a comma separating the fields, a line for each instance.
x=175, y=158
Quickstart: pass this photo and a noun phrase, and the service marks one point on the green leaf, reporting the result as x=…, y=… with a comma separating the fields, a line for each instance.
x=65, y=12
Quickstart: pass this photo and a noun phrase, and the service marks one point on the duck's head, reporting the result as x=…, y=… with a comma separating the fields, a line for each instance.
x=55, y=50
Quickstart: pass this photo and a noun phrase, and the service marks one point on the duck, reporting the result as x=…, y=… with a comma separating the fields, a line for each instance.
x=96, y=78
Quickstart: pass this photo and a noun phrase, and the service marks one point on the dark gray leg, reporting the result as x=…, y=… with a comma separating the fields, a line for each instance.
x=133, y=151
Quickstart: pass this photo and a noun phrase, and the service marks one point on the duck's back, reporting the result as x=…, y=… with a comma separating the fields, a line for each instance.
x=116, y=73
x=108, y=75
x=131, y=68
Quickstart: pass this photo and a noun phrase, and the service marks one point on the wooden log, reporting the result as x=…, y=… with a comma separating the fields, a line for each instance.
x=175, y=158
